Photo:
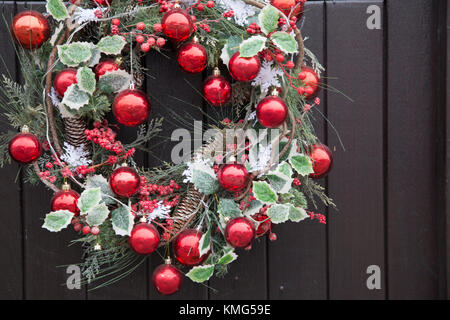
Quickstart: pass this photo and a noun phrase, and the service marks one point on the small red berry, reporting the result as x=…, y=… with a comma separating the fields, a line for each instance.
x=160, y=42
x=115, y=22
x=95, y=230
x=140, y=39
x=272, y=236
x=280, y=57
x=140, y=26
x=200, y=7
x=290, y=65
x=301, y=90
x=194, y=18
x=151, y=41
x=145, y=47
x=210, y=4
x=302, y=75
x=86, y=230
x=77, y=227
x=157, y=27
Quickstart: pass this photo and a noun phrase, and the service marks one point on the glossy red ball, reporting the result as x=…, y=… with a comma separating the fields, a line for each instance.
x=264, y=226
x=192, y=57
x=25, y=148
x=30, y=29
x=311, y=81
x=65, y=200
x=167, y=279
x=144, y=238
x=233, y=177
x=287, y=6
x=244, y=69
x=131, y=107
x=103, y=3
x=63, y=80
x=322, y=160
x=177, y=24
x=271, y=112
x=216, y=90
x=240, y=232
x=124, y=181
x=105, y=66
x=185, y=248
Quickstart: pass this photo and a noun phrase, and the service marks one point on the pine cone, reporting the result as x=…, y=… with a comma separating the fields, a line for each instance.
x=75, y=131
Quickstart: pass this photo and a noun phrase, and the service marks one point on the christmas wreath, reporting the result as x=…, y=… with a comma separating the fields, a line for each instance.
x=82, y=60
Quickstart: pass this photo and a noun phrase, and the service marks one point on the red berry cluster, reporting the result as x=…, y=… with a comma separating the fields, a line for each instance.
x=164, y=5
x=228, y=14
x=254, y=28
x=266, y=224
x=105, y=137
x=317, y=216
x=79, y=225
x=201, y=5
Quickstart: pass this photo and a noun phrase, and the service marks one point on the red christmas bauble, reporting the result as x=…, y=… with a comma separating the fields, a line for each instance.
x=144, y=238
x=124, y=181
x=271, y=112
x=64, y=79
x=192, y=57
x=216, y=90
x=240, y=232
x=25, y=148
x=244, y=69
x=312, y=83
x=167, y=279
x=65, y=200
x=287, y=6
x=30, y=29
x=322, y=160
x=131, y=107
x=233, y=177
x=103, y=3
x=185, y=248
x=105, y=66
x=264, y=225
x=177, y=24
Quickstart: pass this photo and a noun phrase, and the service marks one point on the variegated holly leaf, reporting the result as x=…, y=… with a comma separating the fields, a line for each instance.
x=228, y=208
x=302, y=164
x=96, y=55
x=89, y=198
x=75, y=53
x=57, y=220
x=74, y=98
x=294, y=197
x=57, y=9
x=264, y=192
x=230, y=48
x=201, y=274
x=285, y=42
x=252, y=46
x=268, y=19
x=86, y=80
x=296, y=214
x=111, y=44
x=204, y=179
x=204, y=244
x=99, y=181
x=285, y=169
x=97, y=215
x=114, y=81
x=254, y=207
x=122, y=221
x=280, y=182
x=278, y=213
x=227, y=258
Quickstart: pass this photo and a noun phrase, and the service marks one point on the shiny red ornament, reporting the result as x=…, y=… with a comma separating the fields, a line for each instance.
x=25, y=148
x=144, y=238
x=131, y=107
x=64, y=79
x=216, y=89
x=240, y=232
x=244, y=69
x=311, y=82
x=287, y=6
x=185, y=248
x=265, y=224
x=167, y=279
x=124, y=181
x=30, y=29
x=271, y=112
x=103, y=3
x=322, y=160
x=177, y=24
x=233, y=177
x=105, y=66
x=66, y=199
x=192, y=57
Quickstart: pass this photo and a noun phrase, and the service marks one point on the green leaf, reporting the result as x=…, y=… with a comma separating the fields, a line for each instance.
x=89, y=199
x=57, y=220
x=285, y=169
x=111, y=44
x=97, y=215
x=254, y=207
x=205, y=179
x=114, y=81
x=228, y=208
x=280, y=182
x=278, y=213
x=86, y=80
x=252, y=46
x=263, y=192
x=122, y=221
x=99, y=181
x=268, y=19
x=96, y=55
x=228, y=258
x=74, y=98
x=205, y=242
x=57, y=9
x=294, y=197
x=233, y=44
x=302, y=164
x=201, y=274
x=285, y=42
x=296, y=214
x=75, y=53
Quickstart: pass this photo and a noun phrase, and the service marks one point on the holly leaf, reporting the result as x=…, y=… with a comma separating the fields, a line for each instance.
x=268, y=19
x=252, y=46
x=263, y=192
x=294, y=197
x=74, y=53
x=285, y=169
x=74, y=98
x=57, y=220
x=122, y=221
x=278, y=213
x=205, y=242
x=97, y=215
x=302, y=164
x=114, y=81
x=227, y=258
x=280, y=182
x=284, y=41
x=228, y=208
x=254, y=207
x=204, y=179
x=296, y=214
x=111, y=44
x=86, y=80
x=99, y=181
x=201, y=274
x=230, y=48
x=57, y=9
x=89, y=199
x=96, y=55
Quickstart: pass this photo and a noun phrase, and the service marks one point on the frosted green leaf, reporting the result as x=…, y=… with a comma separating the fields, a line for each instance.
x=205, y=179
x=111, y=44
x=268, y=19
x=228, y=208
x=296, y=214
x=99, y=181
x=263, y=192
x=122, y=221
x=114, y=81
x=280, y=182
x=86, y=80
x=57, y=220
x=96, y=55
x=205, y=242
x=75, y=53
x=285, y=169
x=302, y=164
x=89, y=199
x=57, y=9
x=294, y=197
x=97, y=215
x=254, y=207
x=200, y=274
x=285, y=42
x=74, y=98
x=233, y=44
x=252, y=46
x=278, y=213
x=228, y=258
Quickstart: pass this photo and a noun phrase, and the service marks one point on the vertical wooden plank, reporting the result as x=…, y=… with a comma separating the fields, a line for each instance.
x=356, y=232
x=412, y=246
x=11, y=266
x=447, y=191
x=298, y=258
